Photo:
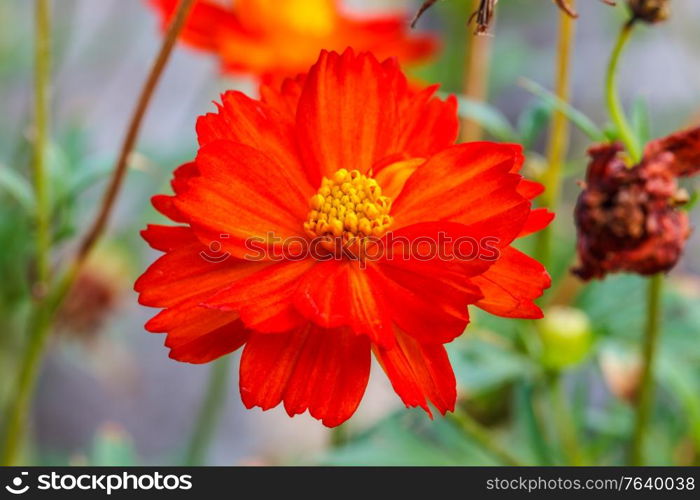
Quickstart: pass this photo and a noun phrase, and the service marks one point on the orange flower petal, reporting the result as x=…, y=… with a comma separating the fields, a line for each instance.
x=469, y=183
x=512, y=284
x=537, y=221
x=322, y=370
x=264, y=299
x=241, y=195
x=338, y=293
x=348, y=114
x=209, y=346
x=166, y=204
x=256, y=124
x=204, y=25
x=419, y=373
x=178, y=282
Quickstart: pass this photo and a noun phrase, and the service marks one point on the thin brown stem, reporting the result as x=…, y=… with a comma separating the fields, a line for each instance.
x=41, y=319
x=476, y=78
x=559, y=132
x=100, y=223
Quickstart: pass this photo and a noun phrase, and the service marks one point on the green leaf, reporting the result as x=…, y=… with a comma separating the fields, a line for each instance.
x=112, y=447
x=483, y=364
x=17, y=187
x=493, y=121
x=409, y=438
x=527, y=421
x=641, y=121
x=579, y=119
x=686, y=388
x=532, y=123
x=692, y=202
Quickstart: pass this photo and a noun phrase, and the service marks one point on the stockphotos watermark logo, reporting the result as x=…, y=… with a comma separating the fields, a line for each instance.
x=18, y=486
x=100, y=483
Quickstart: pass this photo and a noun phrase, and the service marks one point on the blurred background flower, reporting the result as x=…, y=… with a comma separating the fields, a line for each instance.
x=269, y=38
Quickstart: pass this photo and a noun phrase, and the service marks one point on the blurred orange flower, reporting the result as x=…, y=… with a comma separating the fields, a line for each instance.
x=344, y=162
x=282, y=38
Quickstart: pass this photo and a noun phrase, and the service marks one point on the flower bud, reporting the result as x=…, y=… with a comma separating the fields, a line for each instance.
x=566, y=337
x=622, y=374
x=650, y=11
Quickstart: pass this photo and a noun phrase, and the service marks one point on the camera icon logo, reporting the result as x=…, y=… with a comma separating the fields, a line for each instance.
x=16, y=487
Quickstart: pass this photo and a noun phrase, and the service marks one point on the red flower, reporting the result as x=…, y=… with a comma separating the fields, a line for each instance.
x=349, y=154
x=282, y=38
x=628, y=218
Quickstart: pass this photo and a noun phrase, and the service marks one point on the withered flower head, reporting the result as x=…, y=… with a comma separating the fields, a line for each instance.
x=95, y=294
x=650, y=11
x=484, y=14
x=628, y=218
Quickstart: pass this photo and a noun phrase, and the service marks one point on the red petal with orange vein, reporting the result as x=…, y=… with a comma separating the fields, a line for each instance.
x=467, y=183
x=429, y=124
x=537, y=221
x=265, y=299
x=284, y=97
x=428, y=310
x=247, y=121
x=348, y=115
x=530, y=189
x=179, y=281
x=419, y=373
x=338, y=293
x=210, y=346
x=511, y=286
x=167, y=238
x=324, y=371
x=166, y=204
x=242, y=195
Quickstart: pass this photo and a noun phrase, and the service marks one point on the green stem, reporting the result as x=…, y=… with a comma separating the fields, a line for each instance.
x=612, y=97
x=42, y=107
x=645, y=396
x=339, y=436
x=12, y=427
x=482, y=436
x=564, y=421
x=44, y=310
x=559, y=134
x=209, y=413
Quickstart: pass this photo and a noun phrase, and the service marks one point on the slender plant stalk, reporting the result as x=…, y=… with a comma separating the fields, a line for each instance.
x=482, y=436
x=646, y=391
x=42, y=81
x=653, y=327
x=209, y=413
x=559, y=133
x=564, y=422
x=476, y=77
x=110, y=196
x=612, y=97
x=42, y=108
x=339, y=436
x=42, y=316
x=558, y=144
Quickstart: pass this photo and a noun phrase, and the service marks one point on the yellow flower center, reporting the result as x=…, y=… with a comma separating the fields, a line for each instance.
x=308, y=17
x=347, y=209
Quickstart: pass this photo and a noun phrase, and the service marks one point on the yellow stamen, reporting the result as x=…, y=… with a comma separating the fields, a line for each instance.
x=348, y=208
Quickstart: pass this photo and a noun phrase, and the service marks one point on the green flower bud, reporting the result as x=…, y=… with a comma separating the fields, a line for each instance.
x=566, y=337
